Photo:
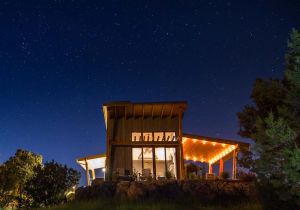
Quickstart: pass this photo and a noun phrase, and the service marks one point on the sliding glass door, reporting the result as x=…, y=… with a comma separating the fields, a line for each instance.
x=159, y=162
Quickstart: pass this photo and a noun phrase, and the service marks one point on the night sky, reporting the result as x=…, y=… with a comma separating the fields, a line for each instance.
x=61, y=60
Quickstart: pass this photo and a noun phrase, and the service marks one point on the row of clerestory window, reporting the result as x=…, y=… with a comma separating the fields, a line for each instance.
x=153, y=136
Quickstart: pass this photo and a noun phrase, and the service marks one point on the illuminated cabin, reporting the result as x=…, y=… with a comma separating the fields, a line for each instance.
x=146, y=139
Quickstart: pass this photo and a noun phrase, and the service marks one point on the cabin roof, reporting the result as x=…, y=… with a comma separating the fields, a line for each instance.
x=128, y=109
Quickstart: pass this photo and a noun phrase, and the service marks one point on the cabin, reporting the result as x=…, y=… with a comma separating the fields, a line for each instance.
x=146, y=140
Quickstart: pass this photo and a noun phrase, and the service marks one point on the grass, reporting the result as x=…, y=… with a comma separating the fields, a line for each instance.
x=148, y=205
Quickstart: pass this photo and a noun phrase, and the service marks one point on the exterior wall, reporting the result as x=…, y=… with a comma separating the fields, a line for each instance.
x=121, y=129
x=122, y=158
x=120, y=132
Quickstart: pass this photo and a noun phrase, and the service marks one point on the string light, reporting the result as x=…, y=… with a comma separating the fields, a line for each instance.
x=222, y=154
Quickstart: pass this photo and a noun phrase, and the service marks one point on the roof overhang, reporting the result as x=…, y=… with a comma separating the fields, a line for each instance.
x=146, y=109
x=208, y=149
x=93, y=161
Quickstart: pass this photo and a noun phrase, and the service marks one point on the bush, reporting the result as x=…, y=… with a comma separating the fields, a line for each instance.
x=207, y=191
x=225, y=175
x=247, y=177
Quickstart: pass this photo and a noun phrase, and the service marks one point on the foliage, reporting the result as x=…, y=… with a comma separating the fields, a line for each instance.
x=177, y=204
x=169, y=174
x=273, y=122
x=14, y=174
x=208, y=191
x=246, y=160
x=246, y=176
x=52, y=183
x=16, y=171
x=26, y=182
x=225, y=175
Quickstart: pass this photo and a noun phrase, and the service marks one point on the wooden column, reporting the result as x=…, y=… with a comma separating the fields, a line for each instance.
x=221, y=169
x=108, y=172
x=93, y=174
x=154, y=163
x=210, y=169
x=234, y=164
x=87, y=173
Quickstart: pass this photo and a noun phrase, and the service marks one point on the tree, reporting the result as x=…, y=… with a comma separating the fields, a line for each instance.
x=18, y=170
x=273, y=122
x=51, y=184
x=14, y=174
x=292, y=80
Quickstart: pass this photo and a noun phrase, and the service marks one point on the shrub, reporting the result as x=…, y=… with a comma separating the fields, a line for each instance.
x=247, y=177
x=225, y=175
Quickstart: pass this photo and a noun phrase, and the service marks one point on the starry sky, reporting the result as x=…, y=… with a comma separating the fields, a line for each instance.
x=61, y=60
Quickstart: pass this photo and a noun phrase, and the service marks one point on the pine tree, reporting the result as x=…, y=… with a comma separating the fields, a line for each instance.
x=273, y=122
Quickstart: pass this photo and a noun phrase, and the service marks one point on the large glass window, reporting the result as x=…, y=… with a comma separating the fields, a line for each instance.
x=165, y=162
x=171, y=161
x=137, y=159
x=148, y=161
x=160, y=162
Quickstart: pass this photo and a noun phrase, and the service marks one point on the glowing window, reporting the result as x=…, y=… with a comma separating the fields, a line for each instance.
x=136, y=136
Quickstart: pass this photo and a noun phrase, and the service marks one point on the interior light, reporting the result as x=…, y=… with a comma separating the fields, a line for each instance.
x=203, y=142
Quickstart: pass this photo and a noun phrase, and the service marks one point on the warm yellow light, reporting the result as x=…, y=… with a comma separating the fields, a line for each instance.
x=202, y=160
x=214, y=143
x=194, y=159
x=186, y=157
x=223, y=145
x=203, y=142
x=194, y=140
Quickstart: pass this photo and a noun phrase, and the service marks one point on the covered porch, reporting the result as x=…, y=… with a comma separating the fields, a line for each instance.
x=92, y=164
x=212, y=153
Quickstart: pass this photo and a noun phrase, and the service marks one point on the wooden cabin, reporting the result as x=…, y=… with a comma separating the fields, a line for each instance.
x=146, y=140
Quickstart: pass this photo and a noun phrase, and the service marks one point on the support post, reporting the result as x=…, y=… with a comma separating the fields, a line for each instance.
x=107, y=173
x=87, y=173
x=210, y=168
x=234, y=164
x=221, y=169
x=93, y=174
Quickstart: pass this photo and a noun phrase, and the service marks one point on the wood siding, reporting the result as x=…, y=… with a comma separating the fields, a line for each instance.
x=121, y=129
